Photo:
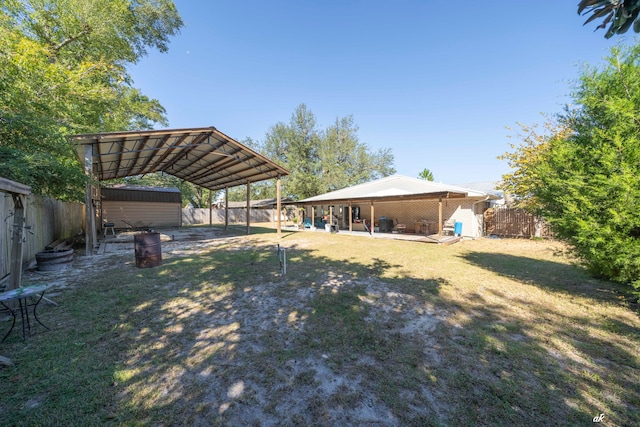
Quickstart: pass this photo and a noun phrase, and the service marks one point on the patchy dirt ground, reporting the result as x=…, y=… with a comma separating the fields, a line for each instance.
x=255, y=357
x=468, y=334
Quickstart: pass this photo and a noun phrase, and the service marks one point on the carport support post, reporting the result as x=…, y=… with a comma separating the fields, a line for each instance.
x=248, y=208
x=210, y=210
x=278, y=204
x=226, y=208
x=91, y=234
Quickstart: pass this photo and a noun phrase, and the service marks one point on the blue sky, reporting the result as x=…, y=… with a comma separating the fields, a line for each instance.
x=436, y=81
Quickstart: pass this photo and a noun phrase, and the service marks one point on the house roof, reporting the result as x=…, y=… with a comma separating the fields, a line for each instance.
x=489, y=187
x=202, y=156
x=397, y=187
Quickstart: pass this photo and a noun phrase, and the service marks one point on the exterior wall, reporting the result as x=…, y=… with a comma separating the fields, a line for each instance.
x=412, y=212
x=142, y=214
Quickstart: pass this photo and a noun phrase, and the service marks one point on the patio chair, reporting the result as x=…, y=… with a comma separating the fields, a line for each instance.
x=448, y=227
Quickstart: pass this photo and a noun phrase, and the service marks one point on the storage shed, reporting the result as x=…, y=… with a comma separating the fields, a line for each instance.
x=136, y=207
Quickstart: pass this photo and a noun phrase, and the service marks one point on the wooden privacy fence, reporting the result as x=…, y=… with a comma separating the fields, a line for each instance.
x=47, y=220
x=514, y=222
x=195, y=216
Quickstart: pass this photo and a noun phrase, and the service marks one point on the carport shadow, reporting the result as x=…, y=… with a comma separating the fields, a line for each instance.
x=550, y=275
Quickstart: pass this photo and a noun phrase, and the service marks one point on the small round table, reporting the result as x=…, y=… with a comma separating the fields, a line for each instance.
x=21, y=294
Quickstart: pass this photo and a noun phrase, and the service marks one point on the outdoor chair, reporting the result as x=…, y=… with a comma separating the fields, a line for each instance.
x=448, y=227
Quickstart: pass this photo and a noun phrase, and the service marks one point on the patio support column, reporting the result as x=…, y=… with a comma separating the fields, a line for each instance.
x=440, y=216
x=248, y=207
x=330, y=216
x=278, y=204
x=350, y=216
x=226, y=208
x=372, y=218
x=313, y=217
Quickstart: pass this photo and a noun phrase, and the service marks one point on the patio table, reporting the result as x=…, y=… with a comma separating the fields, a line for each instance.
x=22, y=294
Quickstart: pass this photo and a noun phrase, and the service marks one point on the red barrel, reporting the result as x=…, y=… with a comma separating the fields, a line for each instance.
x=148, y=250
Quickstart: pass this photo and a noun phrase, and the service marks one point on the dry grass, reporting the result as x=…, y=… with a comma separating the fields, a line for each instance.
x=359, y=332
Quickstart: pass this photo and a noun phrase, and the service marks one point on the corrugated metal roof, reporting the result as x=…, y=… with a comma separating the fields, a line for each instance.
x=139, y=193
x=398, y=187
x=202, y=156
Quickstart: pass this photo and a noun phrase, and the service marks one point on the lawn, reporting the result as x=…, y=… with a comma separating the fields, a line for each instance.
x=359, y=331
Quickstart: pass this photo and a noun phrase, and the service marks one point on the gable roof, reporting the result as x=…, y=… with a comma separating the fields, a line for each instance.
x=397, y=187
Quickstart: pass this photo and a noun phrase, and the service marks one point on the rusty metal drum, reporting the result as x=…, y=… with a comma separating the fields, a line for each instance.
x=148, y=250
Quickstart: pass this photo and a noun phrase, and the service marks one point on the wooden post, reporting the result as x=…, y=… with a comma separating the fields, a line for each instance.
x=330, y=217
x=313, y=217
x=278, y=204
x=248, y=208
x=17, y=234
x=372, y=217
x=19, y=194
x=226, y=208
x=440, y=216
x=350, y=216
x=210, y=209
x=90, y=214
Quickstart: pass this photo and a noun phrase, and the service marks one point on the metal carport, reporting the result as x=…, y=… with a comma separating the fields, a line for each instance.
x=203, y=156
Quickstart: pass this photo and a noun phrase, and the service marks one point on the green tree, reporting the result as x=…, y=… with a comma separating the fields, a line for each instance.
x=347, y=161
x=426, y=175
x=524, y=183
x=322, y=160
x=585, y=175
x=63, y=66
x=619, y=15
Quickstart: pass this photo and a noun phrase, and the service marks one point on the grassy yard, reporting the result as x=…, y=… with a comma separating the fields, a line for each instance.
x=360, y=331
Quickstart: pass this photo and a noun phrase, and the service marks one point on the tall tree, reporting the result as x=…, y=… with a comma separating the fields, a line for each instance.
x=323, y=160
x=584, y=176
x=619, y=15
x=426, y=174
x=347, y=161
x=63, y=64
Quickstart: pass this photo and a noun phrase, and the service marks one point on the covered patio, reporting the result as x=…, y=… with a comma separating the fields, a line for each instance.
x=400, y=205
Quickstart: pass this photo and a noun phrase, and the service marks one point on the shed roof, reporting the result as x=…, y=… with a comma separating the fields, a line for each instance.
x=141, y=193
x=202, y=156
x=396, y=187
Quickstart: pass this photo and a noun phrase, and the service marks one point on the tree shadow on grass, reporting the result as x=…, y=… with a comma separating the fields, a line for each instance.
x=550, y=275
x=222, y=338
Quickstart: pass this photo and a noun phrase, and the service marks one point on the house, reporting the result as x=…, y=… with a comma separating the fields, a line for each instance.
x=399, y=203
